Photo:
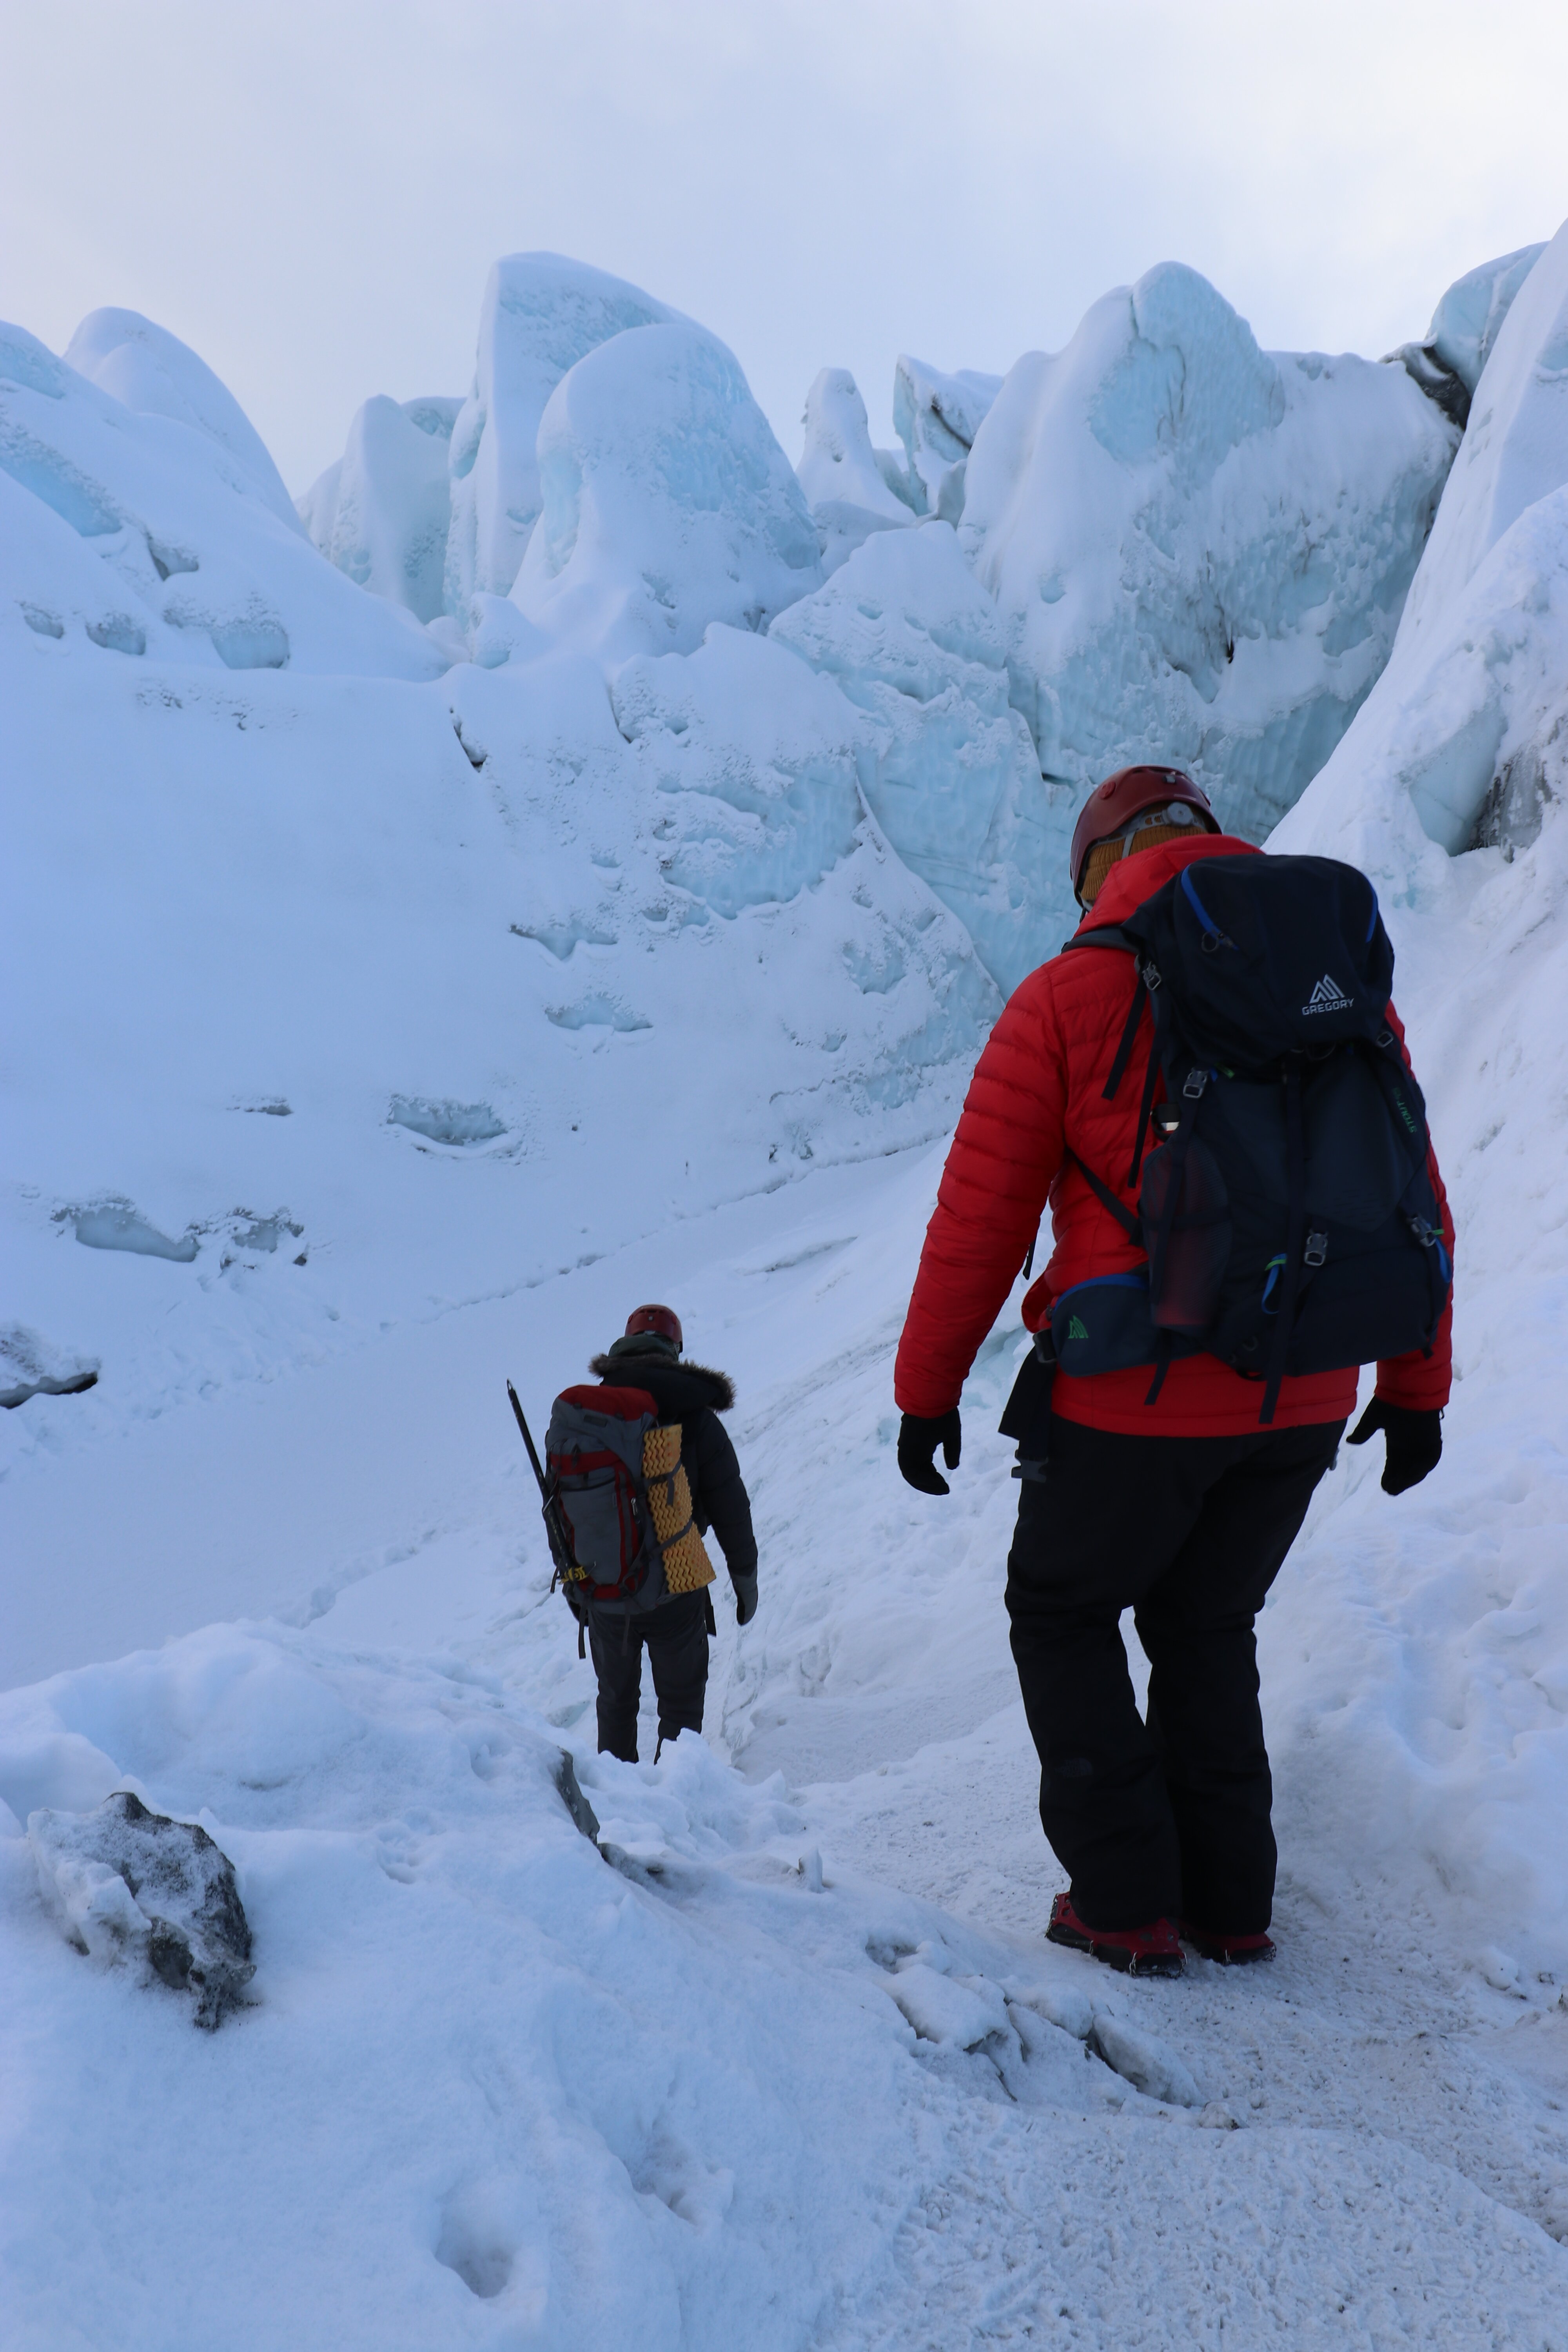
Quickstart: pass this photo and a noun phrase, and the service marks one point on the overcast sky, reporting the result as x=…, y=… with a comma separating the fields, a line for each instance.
x=311, y=192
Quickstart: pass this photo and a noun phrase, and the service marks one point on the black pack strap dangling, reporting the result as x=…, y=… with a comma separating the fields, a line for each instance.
x=1124, y=1050
x=1151, y=1079
x=581, y=1632
x=1164, y=1346
x=1108, y=1202
x=1295, y=1229
x=708, y=1608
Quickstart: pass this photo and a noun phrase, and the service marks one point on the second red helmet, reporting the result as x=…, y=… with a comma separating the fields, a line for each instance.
x=1125, y=795
x=663, y=1322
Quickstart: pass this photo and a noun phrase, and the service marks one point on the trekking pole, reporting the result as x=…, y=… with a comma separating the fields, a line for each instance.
x=567, y=1571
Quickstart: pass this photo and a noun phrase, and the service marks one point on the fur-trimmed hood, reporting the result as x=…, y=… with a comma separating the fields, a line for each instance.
x=676, y=1388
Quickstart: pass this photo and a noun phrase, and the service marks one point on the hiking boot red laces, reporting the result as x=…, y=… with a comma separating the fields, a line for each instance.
x=1230, y=1951
x=1152, y=1951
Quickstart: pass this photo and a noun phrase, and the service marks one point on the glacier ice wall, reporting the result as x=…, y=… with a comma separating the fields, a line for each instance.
x=936, y=417
x=151, y=372
x=143, y=531
x=666, y=502
x=1468, y=317
x=947, y=765
x=541, y=313
x=329, y=943
x=1515, y=448
x=382, y=511
x=844, y=483
x=1463, y=732
x=1199, y=550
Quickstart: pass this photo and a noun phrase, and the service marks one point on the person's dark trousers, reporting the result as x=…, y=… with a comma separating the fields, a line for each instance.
x=676, y=1635
x=1168, y=1819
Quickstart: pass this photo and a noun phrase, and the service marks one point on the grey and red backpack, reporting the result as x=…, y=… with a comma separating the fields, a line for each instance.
x=614, y=1471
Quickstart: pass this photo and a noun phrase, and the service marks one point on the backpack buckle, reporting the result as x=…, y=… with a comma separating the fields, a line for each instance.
x=1194, y=1083
x=1317, y=1249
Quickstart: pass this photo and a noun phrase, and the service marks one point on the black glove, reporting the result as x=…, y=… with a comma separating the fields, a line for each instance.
x=1413, y=1446
x=918, y=1442
x=745, y=1597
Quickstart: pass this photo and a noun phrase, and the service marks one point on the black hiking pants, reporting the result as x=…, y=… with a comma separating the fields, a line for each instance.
x=677, y=1636
x=1167, y=1818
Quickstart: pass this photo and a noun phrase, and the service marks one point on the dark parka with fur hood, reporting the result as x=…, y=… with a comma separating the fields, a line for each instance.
x=695, y=1397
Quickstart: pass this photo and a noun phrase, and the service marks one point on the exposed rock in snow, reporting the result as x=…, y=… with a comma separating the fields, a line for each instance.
x=947, y=764
x=144, y=534
x=541, y=313
x=844, y=486
x=668, y=504
x=127, y=1883
x=382, y=511
x=32, y=1366
x=1199, y=550
x=936, y=417
x=151, y=372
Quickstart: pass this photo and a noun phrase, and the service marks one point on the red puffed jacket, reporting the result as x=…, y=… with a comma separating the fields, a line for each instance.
x=1034, y=1098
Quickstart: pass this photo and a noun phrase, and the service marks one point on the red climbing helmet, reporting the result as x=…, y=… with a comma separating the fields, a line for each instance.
x=662, y=1321
x=1125, y=795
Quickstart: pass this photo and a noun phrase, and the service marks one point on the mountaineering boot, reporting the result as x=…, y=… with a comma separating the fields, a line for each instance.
x=1230, y=1951
x=1151, y=1951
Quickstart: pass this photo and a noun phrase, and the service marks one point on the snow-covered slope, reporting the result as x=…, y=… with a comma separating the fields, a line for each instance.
x=385, y=1032
x=140, y=528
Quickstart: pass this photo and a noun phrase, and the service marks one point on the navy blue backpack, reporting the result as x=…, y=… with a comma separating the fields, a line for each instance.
x=1284, y=1211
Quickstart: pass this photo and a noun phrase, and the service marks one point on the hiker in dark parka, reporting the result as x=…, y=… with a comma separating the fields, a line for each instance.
x=677, y=1631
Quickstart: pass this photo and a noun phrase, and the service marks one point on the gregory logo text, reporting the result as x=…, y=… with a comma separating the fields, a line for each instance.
x=1327, y=997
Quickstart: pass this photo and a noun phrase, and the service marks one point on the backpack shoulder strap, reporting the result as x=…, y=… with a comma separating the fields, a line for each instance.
x=1104, y=935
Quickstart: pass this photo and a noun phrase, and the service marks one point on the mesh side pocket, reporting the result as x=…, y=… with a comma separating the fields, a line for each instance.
x=687, y=1567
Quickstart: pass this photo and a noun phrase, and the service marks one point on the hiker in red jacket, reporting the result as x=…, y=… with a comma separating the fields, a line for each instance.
x=1183, y=1509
